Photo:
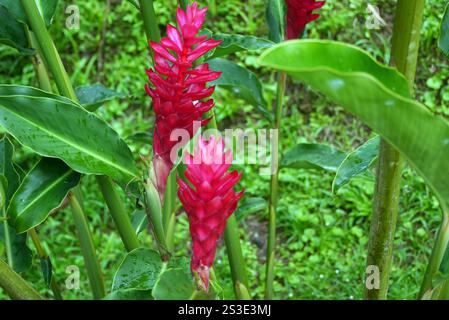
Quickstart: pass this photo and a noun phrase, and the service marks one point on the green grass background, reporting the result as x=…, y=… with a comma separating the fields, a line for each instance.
x=322, y=237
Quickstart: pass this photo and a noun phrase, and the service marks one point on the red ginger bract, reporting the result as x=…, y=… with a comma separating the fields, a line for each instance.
x=179, y=92
x=209, y=202
x=299, y=14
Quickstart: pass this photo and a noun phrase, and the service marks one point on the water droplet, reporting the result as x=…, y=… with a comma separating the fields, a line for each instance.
x=336, y=84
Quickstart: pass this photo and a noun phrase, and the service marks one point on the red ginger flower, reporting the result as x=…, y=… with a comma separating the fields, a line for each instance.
x=210, y=202
x=179, y=89
x=299, y=14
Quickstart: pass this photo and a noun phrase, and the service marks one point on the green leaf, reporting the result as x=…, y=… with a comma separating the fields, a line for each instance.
x=129, y=294
x=443, y=41
x=313, y=156
x=378, y=95
x=92, y=97
x=250, y=206
x=356, y=163
x=43, y=189
x=12, y=32
x=276, y=12
x=231, y=43
x=242, y=82
x=174, y=284
x=7, y=168
x=57, y=127
x=19, y=255
x=138, y=271
x=46, y=7
x=47, y=270
x=139, y=221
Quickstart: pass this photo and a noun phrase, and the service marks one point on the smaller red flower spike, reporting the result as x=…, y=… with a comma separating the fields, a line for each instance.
x=209, y=201
x=299, y=14
x=179, y=92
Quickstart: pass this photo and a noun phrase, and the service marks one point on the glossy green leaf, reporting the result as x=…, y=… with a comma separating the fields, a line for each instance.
x=7, y=168
x=250, y=206
x=46, y=7
x=92, y=97
x=378, y=95
x=139, y=221
x=43, y=189
x=19, y=254
x=443, y=41
x=138, y=271
x=242, y=82
x=231, y=43
x=356, y=163
x=276, y=11
x=313, y=156
x=54, y=127
x=129, y=294
x=12, y=32
x=174, y=284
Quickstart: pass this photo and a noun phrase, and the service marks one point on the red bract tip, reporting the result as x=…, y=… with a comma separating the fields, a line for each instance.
x=178, y=88
x=209, y=201
x=299, y=14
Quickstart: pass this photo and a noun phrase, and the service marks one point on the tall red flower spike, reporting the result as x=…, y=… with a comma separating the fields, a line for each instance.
x=209, y=202
x=179, y=91
x=299, y=14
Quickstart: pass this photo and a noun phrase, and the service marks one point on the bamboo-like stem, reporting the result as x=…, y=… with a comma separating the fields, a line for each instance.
x=273, y=198
x=50, y=55
x=149, y=20
x=405, y=48
x=168, y=211
x=438, y=251
x=118, y=213
x=15, y=286
x=88, y=250
x=44, y=256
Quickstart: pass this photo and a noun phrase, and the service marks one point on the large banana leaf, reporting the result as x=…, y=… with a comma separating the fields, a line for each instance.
x=378, y=95
x=42, y=190
x=59, y=128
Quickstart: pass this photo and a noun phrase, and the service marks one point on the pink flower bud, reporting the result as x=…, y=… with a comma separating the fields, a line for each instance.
x=299, y=14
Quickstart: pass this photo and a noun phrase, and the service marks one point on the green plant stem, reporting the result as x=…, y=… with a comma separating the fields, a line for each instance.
x=118, y=213
x=168, y=215
x=15, y=286
x=438, y=251
x=405, y=48
x=273, y=198
x=212, y=7
x=88, y=250
x=44, y=256
x=54, y=64
x=149, y=20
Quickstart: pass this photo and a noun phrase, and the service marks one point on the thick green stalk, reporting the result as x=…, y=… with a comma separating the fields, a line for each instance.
x=439, y=249
x=88, y=250
x=212, y=7
x=405, y=48
x=44, y=256
x=271, y=243
x=118, y=213
x=149, y=20
x=168, y=215
x=15, y=286
x=50, y=55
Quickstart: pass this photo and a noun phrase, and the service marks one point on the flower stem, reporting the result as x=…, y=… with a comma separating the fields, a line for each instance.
x=212, y=7
x=272, y=206
x=118, y=213
x=15, y=286
x=168, y=215
x=149, y=20
x=405, y=48
x=44, y=256
x=438, y=251
x=54, y=64
x=88, y=250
